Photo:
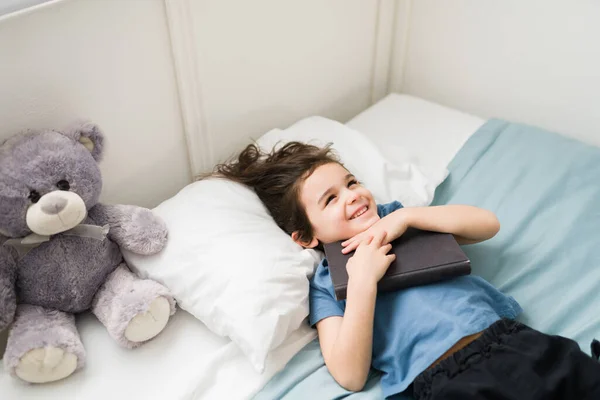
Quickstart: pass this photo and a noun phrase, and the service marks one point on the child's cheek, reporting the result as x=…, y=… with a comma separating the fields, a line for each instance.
x=341, y=215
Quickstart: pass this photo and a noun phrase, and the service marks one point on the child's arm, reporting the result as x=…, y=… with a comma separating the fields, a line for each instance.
x=468, y=224
x=347, y=342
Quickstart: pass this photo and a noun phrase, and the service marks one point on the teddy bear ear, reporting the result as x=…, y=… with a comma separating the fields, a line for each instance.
x=89, y=135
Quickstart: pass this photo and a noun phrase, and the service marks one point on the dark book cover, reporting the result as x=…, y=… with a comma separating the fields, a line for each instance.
x=422, y=257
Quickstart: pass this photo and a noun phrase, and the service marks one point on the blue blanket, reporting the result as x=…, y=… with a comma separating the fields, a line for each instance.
x=545, y=190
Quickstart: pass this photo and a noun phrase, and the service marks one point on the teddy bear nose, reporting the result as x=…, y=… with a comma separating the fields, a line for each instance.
x=52, y=204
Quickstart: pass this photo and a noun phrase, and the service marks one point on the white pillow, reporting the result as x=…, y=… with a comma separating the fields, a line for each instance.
x=228, y=264
x=398, y=179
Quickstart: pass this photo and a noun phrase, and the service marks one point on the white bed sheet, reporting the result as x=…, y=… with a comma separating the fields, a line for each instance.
x=187, y=361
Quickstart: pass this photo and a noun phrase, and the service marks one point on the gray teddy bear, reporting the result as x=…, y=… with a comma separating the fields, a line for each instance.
x=60, y=254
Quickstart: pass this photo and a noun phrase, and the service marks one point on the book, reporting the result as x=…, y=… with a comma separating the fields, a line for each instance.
x=422, y=257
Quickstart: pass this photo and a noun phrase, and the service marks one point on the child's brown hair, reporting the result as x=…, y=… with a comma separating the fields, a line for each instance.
x=276, y=178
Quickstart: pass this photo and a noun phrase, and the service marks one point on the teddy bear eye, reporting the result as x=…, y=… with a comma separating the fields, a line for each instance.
x=63, y=185
x=34, y=196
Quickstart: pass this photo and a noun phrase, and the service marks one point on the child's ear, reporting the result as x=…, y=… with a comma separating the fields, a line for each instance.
x=307, y=245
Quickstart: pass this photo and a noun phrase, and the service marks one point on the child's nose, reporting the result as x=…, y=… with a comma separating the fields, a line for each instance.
x=351, y=197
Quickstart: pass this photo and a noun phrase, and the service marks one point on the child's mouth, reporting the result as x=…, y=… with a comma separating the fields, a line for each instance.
x=360, y=212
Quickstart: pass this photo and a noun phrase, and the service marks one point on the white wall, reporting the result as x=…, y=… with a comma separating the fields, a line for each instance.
x=10, y=6
x=185, y=83
x=109, y=61
x=533, y=61
x=266, y=63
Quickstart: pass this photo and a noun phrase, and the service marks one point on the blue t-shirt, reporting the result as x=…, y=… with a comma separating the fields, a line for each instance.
x=413, y=327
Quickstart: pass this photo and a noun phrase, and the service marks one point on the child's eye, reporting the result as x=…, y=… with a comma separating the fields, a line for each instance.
x=352, y=182
x=329, y=199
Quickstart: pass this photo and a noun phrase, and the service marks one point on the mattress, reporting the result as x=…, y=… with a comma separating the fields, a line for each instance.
x=187, y=361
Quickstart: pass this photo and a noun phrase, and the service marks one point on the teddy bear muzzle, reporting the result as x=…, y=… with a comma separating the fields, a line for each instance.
x=56, y=212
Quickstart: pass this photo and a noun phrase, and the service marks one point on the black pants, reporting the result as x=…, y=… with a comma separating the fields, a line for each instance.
x=512, y=361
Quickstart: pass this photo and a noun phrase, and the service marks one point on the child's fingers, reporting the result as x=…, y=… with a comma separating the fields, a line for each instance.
x=386, y=248
x=350, y=247
x=354, y=239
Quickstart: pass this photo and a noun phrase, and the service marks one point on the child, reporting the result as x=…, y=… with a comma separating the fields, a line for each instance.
x=456, y=339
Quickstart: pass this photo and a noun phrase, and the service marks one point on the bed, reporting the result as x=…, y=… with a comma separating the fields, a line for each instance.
x=544, y=189
x=544, y=257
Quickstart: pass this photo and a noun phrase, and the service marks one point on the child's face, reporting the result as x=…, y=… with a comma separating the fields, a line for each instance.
x=337, y=206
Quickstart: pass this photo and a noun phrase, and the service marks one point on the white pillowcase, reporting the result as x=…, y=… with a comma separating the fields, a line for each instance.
x=398, y=179
x=228, y=263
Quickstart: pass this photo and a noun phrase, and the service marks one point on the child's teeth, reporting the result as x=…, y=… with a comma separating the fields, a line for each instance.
x=360, y=213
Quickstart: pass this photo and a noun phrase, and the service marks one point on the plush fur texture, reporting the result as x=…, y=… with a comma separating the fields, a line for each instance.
x=38, y=327
x=122, y=297
x=86, y=129
x=136, y=229
x=68, y=274
x=8, y=274
x=38, y=161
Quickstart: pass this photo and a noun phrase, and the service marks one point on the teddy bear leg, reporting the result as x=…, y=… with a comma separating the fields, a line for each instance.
x=133, y=310
x=43, y=345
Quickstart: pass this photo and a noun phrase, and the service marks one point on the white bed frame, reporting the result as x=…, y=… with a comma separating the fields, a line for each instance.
x=179, y=85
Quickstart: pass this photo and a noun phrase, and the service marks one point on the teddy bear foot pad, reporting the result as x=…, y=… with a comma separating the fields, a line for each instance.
x=132, y=309
x=46, y=365
x=43, y=345
x=145, y=326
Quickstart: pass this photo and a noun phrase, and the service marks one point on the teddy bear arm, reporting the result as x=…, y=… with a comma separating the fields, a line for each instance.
x=8, y=298
x=133, y=228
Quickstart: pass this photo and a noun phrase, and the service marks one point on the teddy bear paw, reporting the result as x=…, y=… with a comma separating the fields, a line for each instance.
x=146, y=325
x=46, y=364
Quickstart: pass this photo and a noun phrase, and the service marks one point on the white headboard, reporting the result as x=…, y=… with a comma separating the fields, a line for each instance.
x=533, y=61
x=178, y=85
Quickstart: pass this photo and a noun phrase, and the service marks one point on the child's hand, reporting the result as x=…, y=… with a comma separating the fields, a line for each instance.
x=393, y=225
x=370, y=261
